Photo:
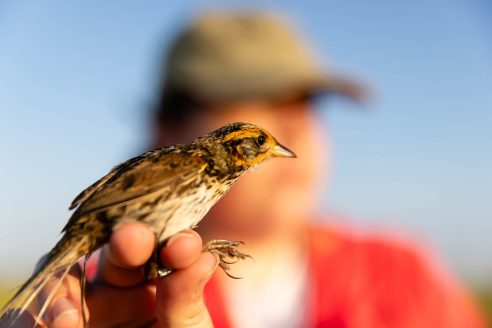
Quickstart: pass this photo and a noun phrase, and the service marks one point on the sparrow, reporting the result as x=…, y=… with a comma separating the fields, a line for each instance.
x=170, y=189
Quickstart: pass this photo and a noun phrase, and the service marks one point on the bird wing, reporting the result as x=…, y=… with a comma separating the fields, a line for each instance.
x=118, y=169
x=139, y=177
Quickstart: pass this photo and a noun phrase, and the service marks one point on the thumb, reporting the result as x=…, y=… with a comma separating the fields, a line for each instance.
x=180, y=300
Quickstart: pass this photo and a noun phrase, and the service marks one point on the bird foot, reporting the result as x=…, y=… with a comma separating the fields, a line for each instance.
x=225, y=250
x=227, y=253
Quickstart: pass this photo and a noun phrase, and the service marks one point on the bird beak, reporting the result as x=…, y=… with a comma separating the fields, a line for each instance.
x=282, y=151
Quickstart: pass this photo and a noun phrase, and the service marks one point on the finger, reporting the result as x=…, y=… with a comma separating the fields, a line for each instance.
x=137, y=305
x=106, y=306
x=182, y=250
x=114, y=307
x=130, y=247
x=64, y=309
x=180, y=295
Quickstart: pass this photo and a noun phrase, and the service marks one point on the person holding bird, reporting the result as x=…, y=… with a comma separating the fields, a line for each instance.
x=224, y=68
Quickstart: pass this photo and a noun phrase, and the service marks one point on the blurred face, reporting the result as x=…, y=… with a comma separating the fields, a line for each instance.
x=281, y=193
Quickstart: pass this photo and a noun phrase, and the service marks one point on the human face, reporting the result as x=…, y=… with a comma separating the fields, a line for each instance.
x=280, y=194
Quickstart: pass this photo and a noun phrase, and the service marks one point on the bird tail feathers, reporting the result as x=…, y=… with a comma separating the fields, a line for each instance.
x=63, y=256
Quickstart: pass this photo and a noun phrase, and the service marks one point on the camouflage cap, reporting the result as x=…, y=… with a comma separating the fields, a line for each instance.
x=232, y=56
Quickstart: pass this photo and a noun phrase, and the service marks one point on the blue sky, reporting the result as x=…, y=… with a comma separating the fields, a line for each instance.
x=77, y=79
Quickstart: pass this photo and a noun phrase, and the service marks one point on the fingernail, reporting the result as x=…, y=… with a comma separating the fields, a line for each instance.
x=182, y=234
x=63, y=308
x=128, y=222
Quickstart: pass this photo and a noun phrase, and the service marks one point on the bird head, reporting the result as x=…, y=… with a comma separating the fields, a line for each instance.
x=248, y=145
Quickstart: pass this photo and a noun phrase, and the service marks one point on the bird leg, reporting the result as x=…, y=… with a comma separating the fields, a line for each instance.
x=154, y=268
x=226, y=252
x=83, y=285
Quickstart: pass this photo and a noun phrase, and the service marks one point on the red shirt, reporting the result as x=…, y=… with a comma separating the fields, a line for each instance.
x=371, y=282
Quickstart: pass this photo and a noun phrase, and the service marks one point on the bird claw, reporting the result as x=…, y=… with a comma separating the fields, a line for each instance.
x=227, y=253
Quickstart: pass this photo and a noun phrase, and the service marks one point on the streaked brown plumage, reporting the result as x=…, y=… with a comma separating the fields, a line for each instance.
x=170, y=188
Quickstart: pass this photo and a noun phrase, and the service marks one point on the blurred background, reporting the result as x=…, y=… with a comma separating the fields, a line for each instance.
x=77, y=82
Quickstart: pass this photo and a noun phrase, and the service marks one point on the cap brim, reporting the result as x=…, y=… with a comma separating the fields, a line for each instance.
x=345, y=87
x=277, y=87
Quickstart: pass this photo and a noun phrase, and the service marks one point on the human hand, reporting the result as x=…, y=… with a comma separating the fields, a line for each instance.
x=120, y=294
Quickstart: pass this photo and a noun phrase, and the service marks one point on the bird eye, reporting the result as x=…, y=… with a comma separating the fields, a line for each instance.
x=260, y=140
